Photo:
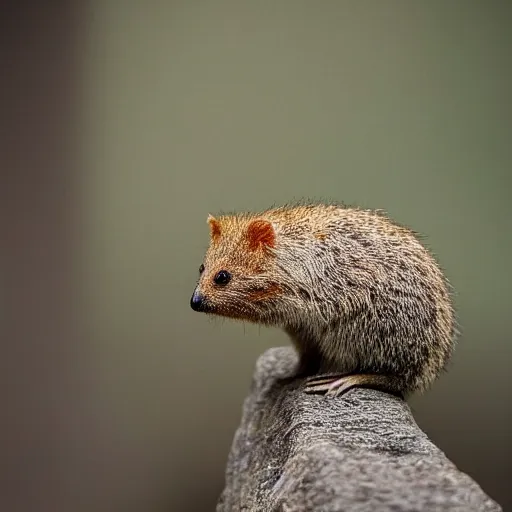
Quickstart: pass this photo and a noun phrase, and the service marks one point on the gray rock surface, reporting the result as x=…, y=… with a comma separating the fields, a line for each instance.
x=360, y=452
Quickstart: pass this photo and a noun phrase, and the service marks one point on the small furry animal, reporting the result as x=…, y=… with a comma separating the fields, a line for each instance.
x=363, y=301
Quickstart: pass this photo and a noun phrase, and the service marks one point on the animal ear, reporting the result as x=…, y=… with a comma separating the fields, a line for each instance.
x=260, y=233
x=214, y=227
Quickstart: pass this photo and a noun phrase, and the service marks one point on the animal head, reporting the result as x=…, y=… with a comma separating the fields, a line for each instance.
x=234, y=278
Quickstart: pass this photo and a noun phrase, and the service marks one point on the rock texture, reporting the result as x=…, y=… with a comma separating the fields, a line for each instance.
x=361, y=452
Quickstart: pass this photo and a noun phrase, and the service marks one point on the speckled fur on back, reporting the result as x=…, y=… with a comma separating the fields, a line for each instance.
x=356, y=292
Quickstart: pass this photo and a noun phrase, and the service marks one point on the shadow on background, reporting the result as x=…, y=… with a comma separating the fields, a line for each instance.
x=127, y=126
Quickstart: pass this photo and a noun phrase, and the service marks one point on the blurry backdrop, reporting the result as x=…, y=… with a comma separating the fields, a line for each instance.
x=179, y=109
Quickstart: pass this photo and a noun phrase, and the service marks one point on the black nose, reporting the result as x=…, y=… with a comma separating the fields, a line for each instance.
x=197, y=302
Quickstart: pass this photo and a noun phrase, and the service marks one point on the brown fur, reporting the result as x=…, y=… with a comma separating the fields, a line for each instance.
x=357, y=293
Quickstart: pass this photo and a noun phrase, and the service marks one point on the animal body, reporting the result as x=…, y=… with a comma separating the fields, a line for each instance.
x=362, y=299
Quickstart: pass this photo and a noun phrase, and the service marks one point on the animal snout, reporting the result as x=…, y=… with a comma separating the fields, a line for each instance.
x=197, y=302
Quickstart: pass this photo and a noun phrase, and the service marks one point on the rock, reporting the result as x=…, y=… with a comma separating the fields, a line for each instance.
x=360, y=452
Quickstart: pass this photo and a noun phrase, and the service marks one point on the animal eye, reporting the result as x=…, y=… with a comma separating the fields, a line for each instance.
x=201, y=268
x=223, y=277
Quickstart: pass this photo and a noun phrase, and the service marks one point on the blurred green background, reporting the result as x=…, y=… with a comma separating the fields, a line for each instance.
x=194, y=107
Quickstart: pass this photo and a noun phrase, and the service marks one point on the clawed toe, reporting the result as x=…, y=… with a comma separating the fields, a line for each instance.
x=328, y=385
x=333, y=385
